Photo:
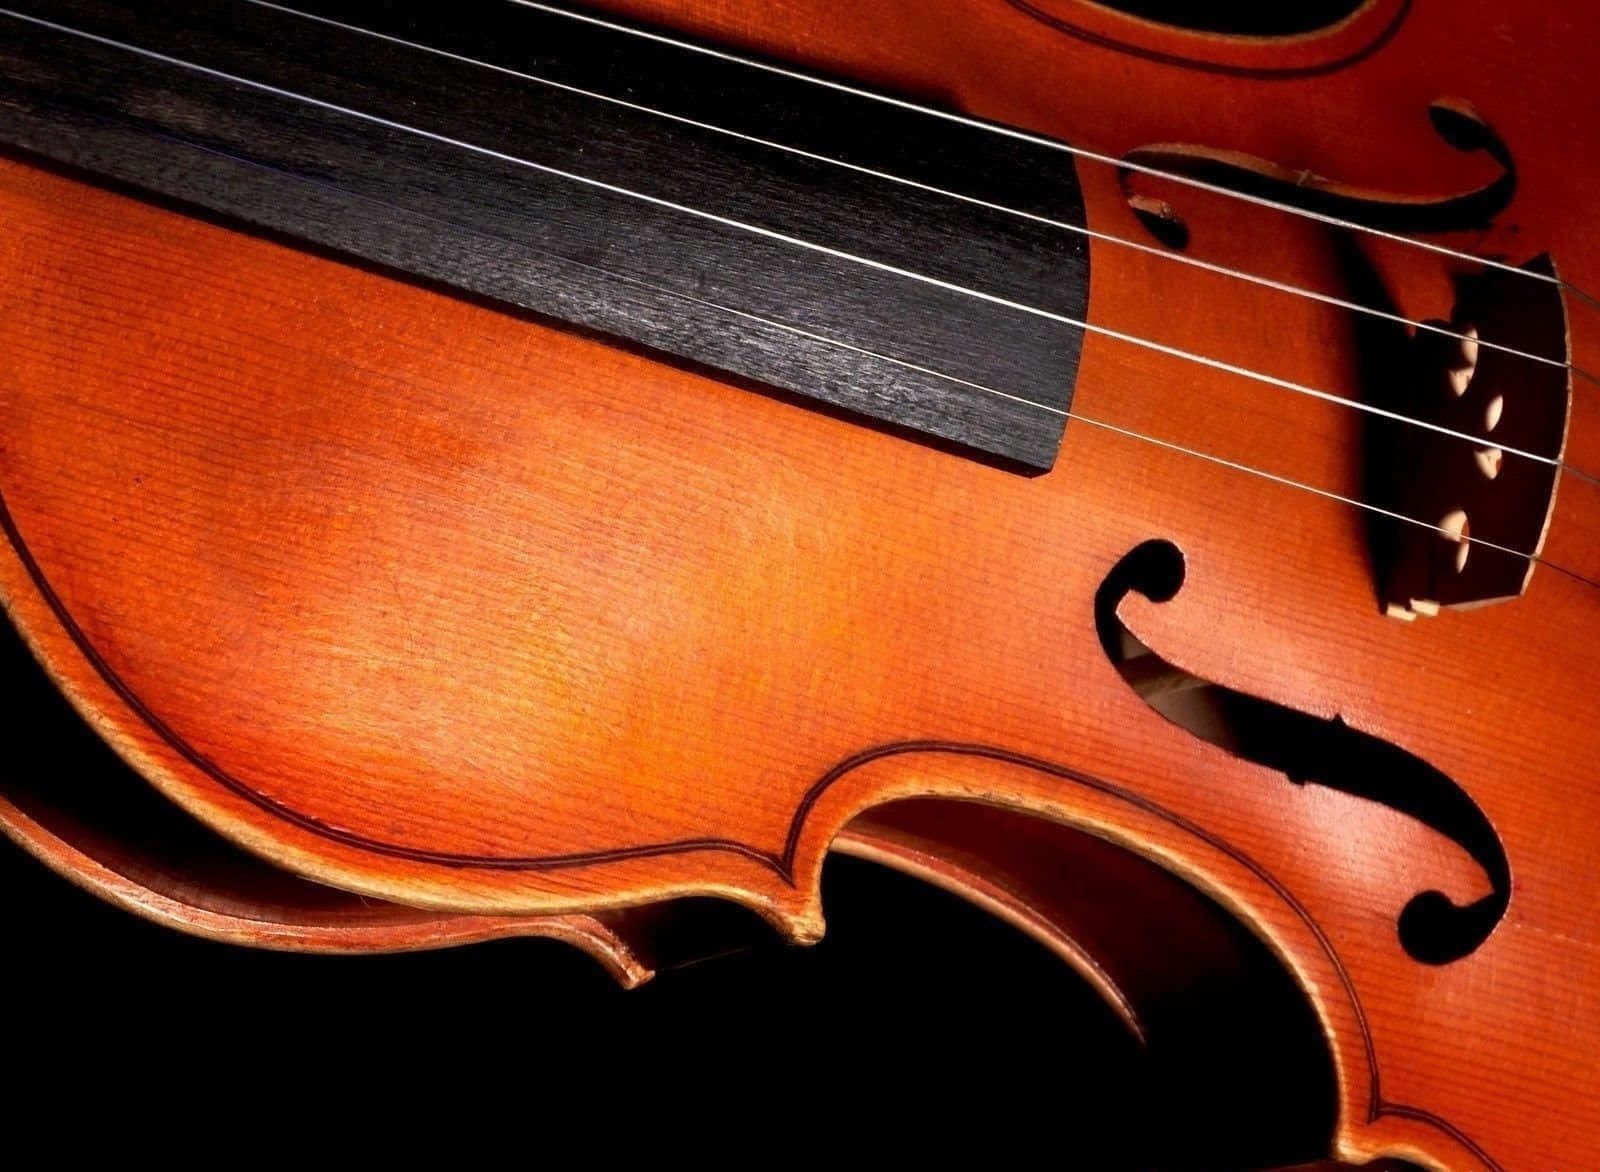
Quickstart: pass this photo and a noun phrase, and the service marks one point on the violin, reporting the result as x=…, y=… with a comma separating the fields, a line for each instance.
x=514, y=467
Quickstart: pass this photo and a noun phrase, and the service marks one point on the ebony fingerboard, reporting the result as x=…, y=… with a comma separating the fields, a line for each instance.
x=416, y=137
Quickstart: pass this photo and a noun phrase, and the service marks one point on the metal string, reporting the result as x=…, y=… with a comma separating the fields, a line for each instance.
x=933, y=189
x=810, y=246
x=894, y=270
x=1182, y=258
x=1051, y=143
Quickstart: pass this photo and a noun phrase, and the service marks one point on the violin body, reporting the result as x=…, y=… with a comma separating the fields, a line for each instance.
x=462, y=610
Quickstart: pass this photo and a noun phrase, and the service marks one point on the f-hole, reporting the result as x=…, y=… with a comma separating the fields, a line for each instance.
x=1308, y=750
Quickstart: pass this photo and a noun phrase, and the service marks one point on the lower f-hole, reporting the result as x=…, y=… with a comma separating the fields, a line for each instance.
x=1309, y=750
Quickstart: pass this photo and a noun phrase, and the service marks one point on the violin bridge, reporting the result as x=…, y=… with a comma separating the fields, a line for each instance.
x=1485, y=506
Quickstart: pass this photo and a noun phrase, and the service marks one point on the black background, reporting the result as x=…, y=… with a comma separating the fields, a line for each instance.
x=919, y=1023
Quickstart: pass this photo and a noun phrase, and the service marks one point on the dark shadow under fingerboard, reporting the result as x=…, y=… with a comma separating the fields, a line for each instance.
x=416, y=137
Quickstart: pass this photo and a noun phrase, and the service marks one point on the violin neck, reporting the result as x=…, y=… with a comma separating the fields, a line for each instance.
x=811, y=238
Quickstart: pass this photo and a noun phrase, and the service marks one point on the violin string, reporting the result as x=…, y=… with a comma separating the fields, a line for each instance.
x=794, y=241
x=812, y=335
x=1340, y=498
x=933, y=189
x=789, y=240
x=1050, y=143
x=894, y=270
